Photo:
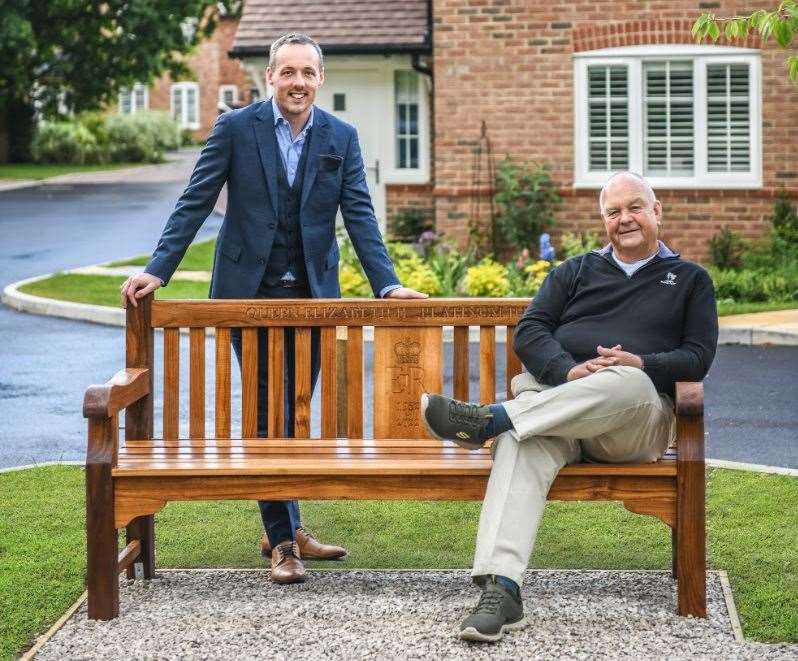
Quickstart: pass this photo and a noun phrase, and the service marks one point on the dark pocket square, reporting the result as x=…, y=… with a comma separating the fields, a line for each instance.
x=329, y=162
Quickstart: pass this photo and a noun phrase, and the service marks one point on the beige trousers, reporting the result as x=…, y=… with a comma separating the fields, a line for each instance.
x=614, y=415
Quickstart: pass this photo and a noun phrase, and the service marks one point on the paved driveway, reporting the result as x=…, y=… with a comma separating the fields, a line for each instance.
x=46, y=363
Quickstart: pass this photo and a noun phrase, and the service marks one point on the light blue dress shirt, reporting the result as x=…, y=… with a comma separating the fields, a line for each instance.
x=291, y=151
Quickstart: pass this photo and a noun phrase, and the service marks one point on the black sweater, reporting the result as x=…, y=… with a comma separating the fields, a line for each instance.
x=665, y=313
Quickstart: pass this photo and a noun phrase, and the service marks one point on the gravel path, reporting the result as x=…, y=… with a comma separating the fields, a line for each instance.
x=233, y=614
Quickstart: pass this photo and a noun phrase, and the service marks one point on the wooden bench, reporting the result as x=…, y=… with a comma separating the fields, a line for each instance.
x=126, y=484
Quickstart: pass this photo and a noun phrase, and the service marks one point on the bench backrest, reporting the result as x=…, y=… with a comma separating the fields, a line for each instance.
x=408, y=340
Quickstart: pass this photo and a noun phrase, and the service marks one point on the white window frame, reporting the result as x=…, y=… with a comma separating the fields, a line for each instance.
x=137, y=87
x=183, y=88
x=228, y=88
x=407, y=137
x=701, y=56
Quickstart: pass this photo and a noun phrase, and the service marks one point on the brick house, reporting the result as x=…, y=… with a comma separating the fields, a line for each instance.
x=194, y=102
x=586, y=88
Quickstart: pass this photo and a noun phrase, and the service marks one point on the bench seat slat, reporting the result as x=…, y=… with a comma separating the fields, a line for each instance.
x=407, y=465
x=311, y=457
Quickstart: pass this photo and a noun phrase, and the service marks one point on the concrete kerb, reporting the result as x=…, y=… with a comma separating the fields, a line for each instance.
x=101, y=314
x=17, y=184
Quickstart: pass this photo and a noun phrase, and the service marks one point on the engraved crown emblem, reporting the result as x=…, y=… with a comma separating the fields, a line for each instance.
x=407, y=351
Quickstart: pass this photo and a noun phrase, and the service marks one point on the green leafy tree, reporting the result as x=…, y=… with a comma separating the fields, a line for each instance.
x=781, y=23
x=64, y=56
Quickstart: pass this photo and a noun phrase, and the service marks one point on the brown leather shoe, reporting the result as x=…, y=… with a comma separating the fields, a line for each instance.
x=287, y=566
x=310, y=547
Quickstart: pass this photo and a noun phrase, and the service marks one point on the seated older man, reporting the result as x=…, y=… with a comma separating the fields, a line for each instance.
x=604, y=341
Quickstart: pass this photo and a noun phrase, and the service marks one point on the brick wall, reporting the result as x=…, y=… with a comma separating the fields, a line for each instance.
x=509, y=63
x=210, y=67
x=403, y=197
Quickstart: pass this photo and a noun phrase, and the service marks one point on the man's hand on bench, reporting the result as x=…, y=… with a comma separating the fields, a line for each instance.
x=138, y=286
x=405, y=292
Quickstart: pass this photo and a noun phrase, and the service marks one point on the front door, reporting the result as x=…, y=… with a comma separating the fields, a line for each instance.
x=351, y=96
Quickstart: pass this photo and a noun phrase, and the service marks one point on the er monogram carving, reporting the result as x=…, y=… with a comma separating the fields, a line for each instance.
x=407, y=363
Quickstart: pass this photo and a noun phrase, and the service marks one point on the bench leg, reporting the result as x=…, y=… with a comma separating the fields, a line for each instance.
x=691, y=540
x=102, y=577
x=143, y=529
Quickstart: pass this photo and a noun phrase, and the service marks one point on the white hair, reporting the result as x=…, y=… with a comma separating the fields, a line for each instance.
x=627, y=174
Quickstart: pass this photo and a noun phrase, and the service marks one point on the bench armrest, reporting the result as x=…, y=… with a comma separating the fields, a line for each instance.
x=690, y=421
x=125, y=388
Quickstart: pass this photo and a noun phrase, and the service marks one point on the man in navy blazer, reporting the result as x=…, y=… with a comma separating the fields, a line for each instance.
x=289, y=166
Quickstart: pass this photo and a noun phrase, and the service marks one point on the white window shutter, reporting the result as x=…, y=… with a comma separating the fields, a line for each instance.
x=608, y=118
x=728, y=118
x=668, y=114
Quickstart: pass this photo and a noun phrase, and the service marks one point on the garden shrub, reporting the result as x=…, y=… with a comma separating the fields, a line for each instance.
x=578, y=243
x=353, y=282
x=752, y=286
x=413, y=271
x=408, y=224
x=488, y=278
x=142, y=137
x=65, y=142
x=163, y=127
x=449, y=264
x=417, y=274
x=95, y=123
x=128, y=142
x=527, y=198
x=726, y=249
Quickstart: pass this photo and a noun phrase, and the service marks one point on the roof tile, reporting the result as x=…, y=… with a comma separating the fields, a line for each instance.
x=337, y=23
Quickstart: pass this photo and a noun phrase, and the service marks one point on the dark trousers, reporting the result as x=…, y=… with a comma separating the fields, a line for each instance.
x=280, y=517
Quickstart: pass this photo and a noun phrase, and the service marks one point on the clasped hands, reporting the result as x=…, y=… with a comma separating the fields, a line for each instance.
x=605, y=358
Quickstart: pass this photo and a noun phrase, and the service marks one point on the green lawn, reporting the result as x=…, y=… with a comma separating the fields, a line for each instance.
x=104, y=289
x=752, y=521
x=43, y=171
x=198, y=257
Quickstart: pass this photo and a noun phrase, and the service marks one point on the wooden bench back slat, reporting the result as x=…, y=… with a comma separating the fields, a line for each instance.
x=354, y=382
x=460, y=363
x=171, y=383
x=249, y=382
x=513, y=363
x=139, y=352
x=398, y=380
x=329, y=383
x=223, y=404
x=487, y=364
x=407, y=363
x=196, y=398
x=324, y=312
x=302, y=391
x=276, y=389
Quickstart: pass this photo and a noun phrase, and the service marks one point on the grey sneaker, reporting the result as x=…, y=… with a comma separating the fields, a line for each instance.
x=498, y=611
x=452, y=420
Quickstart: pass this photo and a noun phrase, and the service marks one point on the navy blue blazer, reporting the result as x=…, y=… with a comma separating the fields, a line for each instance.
x=242, y=152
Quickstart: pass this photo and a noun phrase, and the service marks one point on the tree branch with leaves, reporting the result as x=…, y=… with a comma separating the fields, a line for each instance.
x=64, y=56
x=781, y=23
